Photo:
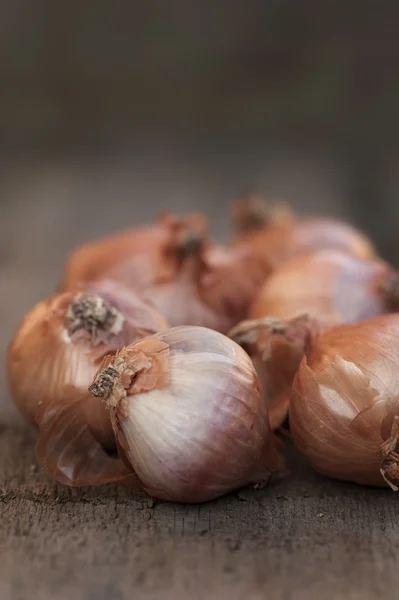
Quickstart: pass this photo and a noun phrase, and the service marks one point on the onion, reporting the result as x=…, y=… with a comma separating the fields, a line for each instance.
x=279, y=237
x=189, y=280
x=188, y=413
x=344, y=411
x=331, y=286
x=276, y=348
x=154, y=245
x=52, y=359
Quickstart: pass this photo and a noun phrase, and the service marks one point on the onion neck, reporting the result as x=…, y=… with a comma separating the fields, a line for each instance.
x=93, y=314
x=390, y=291
x=253, y=214
x=139, y=368
x=188, y=244
x=260, y=333
x=187, y=252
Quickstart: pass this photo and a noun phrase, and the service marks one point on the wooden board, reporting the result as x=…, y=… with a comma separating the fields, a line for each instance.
x=303, y=538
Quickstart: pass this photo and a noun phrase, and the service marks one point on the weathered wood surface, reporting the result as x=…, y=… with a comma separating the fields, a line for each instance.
x=304, y=538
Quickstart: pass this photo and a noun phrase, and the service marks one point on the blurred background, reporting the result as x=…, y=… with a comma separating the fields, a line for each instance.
x=112, y=112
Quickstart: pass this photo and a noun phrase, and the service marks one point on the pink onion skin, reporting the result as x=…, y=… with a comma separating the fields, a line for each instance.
x=285, y=239
x=330, y=286
x=189, y=418
x=213, y=289
x=345, y=400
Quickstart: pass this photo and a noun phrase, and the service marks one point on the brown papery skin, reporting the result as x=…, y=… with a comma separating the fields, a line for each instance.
x=345, y=398
x=283, y=240
x=214, y=437
x=330, y=286
x=276, y=349
x=49, y=370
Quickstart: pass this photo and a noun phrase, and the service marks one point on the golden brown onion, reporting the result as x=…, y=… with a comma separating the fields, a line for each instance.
x=344, y=411
x=279, y=237
x=52, y=359
x=189, y=280
x=188, y=413
x=330, y=286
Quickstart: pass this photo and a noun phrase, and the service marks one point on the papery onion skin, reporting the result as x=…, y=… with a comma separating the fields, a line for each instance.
x=331, y=286
x=283, y=238
x=50, y=367
x=213, y=289
x=276, y=348
x=151, y=246
x=345, y=402
x=189, y=415
x=187, y=278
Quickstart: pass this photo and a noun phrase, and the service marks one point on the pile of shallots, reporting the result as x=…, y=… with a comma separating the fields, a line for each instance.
x=166, y=361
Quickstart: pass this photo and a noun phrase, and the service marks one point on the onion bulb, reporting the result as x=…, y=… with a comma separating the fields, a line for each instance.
x=279, y=237
x=188, y=279
x=52, y=359
x=152, y=244
x=276, y=348
x=330, y=286
x=344, y=411
x=188, y=414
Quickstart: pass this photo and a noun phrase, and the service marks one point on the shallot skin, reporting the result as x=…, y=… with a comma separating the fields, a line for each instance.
x=189, y=416
x=345, y=403
x=276, y=349
x=96, y=260
x=284, y=240
x=329, y=285
x=175, y=266
x=212, y=290
x=51, y=362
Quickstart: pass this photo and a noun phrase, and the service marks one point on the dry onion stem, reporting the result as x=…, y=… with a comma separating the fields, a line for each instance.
x=188, y=413
x=52, y=359
x=344, y=408
x=188, y=279
x=278, y=236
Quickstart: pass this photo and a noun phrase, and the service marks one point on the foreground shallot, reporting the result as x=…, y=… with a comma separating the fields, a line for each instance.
x=188, y=414
x=344, y=410
x=52, y=359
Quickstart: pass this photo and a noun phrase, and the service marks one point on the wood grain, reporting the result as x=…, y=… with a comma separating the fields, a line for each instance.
x=302, y=538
